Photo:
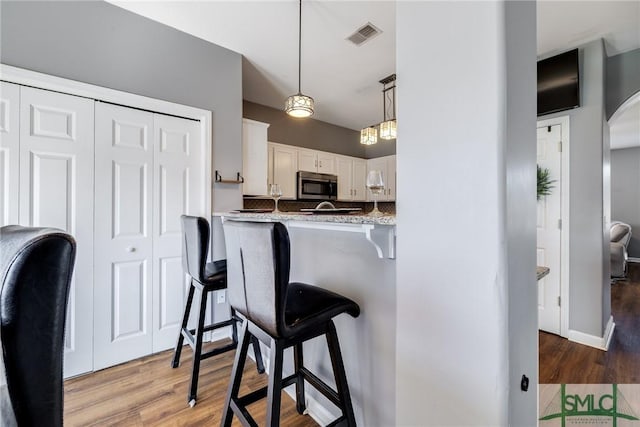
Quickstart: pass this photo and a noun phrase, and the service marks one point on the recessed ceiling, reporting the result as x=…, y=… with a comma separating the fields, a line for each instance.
x=343, y=78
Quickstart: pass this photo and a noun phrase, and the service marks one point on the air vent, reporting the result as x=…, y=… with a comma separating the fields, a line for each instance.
x=364, y=33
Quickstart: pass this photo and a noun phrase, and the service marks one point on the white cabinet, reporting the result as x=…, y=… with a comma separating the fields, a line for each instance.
x=56, y=190
x=316, y=161
x=254, y=158
x=388, y=167
x=359, y=182
x=351, y=178
x=283, y=166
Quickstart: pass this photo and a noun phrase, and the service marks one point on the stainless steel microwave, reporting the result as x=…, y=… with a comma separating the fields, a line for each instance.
x=317, y=186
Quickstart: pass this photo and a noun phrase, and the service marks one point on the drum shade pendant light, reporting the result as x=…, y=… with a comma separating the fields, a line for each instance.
x=299, y=105
x=388, y=128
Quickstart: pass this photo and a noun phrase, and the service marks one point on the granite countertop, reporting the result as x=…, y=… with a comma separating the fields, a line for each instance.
x=541, y=272
x=300, y=216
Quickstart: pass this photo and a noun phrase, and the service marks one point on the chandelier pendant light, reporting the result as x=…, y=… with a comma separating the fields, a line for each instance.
x=369, y=136
x=299, y=105
x=388, y=128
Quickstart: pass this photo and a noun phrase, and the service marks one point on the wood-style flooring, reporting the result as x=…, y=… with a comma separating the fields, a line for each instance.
x=147, y=392
x=565, y=362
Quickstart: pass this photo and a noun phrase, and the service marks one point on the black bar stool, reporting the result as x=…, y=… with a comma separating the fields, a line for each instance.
x=281, y=315
x=205, y=278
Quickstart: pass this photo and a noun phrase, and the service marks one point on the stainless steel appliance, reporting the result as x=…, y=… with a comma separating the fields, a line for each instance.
x=317, y=186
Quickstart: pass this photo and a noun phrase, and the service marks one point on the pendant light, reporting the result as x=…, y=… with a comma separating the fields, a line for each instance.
x=299, y=105
x=388, y=128
x=369, y=136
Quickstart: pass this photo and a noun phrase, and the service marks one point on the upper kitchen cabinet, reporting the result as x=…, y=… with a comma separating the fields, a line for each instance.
x=254, y=158
x=316, y=161
x=283, y=165
x=388, y=167
x=351, y=173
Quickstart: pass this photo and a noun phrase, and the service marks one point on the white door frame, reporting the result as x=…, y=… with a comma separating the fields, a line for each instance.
x=563, y=121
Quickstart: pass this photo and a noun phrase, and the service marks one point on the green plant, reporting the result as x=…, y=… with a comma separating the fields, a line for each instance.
x=544, y=182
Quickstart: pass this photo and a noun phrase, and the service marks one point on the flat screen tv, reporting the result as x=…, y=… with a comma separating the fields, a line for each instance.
x=558, y=83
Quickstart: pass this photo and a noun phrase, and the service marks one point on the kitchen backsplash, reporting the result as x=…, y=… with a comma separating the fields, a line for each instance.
x=295, y=205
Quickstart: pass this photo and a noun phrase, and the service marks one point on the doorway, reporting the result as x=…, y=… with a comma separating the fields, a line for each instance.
x=552, y=248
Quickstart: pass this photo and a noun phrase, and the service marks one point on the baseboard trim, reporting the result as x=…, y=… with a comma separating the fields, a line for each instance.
x=221, y=333
x=601, y=343
x=634, y=260
x=316, y=410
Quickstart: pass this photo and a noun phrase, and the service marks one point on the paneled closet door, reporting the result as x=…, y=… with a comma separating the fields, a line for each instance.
x=123, y=234
x=179, y=187
x=9, y=152
x=56, y=190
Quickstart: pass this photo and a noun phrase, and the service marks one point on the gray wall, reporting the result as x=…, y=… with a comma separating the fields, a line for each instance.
x=520, y=214
x=104, y=45
x=623, y=79
x=381, y=149
x=307, y=133
x=625, y=193
x=587, y=259
x=315, y=134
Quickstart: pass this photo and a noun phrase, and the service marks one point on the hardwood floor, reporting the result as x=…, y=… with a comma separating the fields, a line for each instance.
x=565, y=362
x=147, y=392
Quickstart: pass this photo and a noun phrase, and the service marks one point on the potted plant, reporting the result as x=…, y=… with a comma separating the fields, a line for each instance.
x=544, y=182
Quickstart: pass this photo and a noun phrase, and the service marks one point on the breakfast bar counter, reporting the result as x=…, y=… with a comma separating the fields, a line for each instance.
x=377, y=230
x=352, y=255
x=302, y=216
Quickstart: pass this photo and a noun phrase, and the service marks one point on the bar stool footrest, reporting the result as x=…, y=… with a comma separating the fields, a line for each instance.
x=243, y=415
x=321, y=386
x=218, y=350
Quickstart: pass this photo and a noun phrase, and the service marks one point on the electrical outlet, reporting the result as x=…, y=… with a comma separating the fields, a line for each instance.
x=524, y=383
x=222, y=297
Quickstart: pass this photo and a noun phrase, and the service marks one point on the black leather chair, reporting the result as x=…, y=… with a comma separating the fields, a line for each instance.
x=36, y=266
x=205, y=278
x=281, y=315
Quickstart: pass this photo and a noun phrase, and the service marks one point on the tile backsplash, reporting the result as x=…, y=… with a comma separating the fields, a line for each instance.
x=296, y=205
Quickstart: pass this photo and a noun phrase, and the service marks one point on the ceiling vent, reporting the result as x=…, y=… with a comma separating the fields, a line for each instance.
x=364, y=33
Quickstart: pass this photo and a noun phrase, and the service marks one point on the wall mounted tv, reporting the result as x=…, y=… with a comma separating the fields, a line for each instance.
x=558, y=83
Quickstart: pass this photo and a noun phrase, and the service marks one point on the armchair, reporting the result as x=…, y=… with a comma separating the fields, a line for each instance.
x=620, y=237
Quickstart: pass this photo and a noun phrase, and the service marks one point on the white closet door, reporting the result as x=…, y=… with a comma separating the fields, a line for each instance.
x=56, y=190
x=179, y=187
x=123, y=234
x=9, y=151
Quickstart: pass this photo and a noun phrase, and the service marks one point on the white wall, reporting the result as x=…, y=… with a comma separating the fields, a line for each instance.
x=454, y=329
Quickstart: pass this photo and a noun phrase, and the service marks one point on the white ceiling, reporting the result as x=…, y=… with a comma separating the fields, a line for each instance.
x=342, y=78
